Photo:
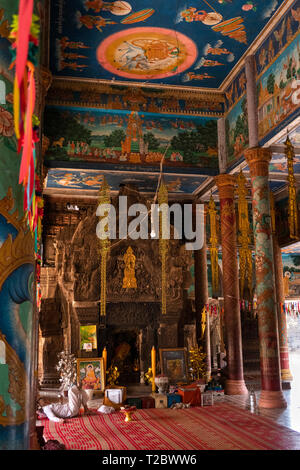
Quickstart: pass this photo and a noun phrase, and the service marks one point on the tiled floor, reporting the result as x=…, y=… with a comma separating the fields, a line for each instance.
x=290, y=416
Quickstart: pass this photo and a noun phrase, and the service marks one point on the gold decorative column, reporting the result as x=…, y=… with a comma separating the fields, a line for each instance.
x=163, y=243
x=271, y=396
x=292, y=210
x=244, y=235
x=214, y=245
x=201, y=299
x=235, y=384
x=104, y=198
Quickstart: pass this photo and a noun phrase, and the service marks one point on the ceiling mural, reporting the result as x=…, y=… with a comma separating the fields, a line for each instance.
x=132, y=138
x=87, y=180
x=182, y=43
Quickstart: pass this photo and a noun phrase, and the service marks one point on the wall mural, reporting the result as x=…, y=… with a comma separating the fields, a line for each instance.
x=278, y=70
x=119, y=137
x=276, y=88
x=197, y=43
x=143, y=99
x=86, y=180
x=237, y=135
x=291, y=274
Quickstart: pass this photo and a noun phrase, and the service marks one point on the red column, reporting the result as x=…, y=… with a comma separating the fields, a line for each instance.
x=235, y=384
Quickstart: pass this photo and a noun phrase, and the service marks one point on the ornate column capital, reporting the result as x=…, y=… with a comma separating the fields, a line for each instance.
x=226, y=184
x=45, y=79
x=258, y=159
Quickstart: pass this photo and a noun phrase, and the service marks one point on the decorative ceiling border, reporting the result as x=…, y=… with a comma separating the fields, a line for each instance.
x=63, y=93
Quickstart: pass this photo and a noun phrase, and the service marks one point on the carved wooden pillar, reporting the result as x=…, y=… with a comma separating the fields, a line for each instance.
x=286, y=375
x=271, y=396
x=235, y=384
x=52, y=344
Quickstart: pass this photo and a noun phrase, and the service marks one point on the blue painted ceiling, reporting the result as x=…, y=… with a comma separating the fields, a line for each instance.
x=198, y=48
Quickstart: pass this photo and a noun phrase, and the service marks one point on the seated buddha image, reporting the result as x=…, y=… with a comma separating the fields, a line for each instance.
x=90, y=381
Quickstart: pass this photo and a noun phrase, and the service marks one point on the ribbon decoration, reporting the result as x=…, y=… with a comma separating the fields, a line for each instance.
x=25, y=32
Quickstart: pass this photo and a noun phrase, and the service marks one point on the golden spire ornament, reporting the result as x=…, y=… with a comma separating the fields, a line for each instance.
x=163, y=242
x=104, y=199
x=213, y=245
x=244, y=236
x=292, y=208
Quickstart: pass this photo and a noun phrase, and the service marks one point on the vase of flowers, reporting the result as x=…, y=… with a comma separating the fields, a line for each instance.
x=67, y=369
x=162, y=382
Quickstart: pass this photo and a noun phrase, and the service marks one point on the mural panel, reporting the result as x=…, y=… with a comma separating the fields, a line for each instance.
x=196, y=43
x=278, y=68
x=118, y=137
x=291, y=274
x=146, y=183
x=237, y=136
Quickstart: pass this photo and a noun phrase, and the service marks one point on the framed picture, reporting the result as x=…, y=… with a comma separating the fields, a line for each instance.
x=90, y=373
x=173, y=363
x=88, y=337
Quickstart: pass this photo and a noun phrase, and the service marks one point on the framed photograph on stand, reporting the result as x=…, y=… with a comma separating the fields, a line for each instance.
x=173, y=363
x=90, y=373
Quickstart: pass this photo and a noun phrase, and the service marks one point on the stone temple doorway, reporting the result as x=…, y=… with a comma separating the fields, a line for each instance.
x=124, y=353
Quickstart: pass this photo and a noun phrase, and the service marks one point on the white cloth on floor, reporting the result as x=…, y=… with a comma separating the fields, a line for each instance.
x=106, y=409
x=76, y=397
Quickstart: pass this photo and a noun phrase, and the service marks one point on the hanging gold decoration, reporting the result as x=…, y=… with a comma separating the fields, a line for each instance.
x=129, y=280
x=104, y=198
x=197, y=363
x=244, y=236
x=292, y=210
x=163, y=244
x=203, y=322
x=273, y=213
x=213, y=245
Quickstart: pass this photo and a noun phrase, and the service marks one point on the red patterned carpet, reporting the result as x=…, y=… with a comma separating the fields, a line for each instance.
x=218, y=427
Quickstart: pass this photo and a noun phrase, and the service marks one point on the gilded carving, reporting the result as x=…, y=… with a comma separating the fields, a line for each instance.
x=129, y=280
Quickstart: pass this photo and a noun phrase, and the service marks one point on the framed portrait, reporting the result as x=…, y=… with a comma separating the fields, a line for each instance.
x=173, y=363
x=88, y=337
x=90, y=373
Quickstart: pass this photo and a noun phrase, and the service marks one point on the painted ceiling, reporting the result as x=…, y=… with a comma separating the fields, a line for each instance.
x=187, y=43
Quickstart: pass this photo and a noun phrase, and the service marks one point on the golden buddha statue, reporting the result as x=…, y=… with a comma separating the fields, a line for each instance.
x=129, y=280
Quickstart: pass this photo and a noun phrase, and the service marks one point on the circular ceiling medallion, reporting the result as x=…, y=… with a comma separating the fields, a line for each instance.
x=147, y=53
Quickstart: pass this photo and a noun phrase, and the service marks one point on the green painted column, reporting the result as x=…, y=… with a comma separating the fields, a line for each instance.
x=271, y=396
x=17, y=260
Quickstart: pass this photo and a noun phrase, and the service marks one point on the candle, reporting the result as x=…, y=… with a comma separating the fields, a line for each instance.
x=104, y=355
x=153, y=366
